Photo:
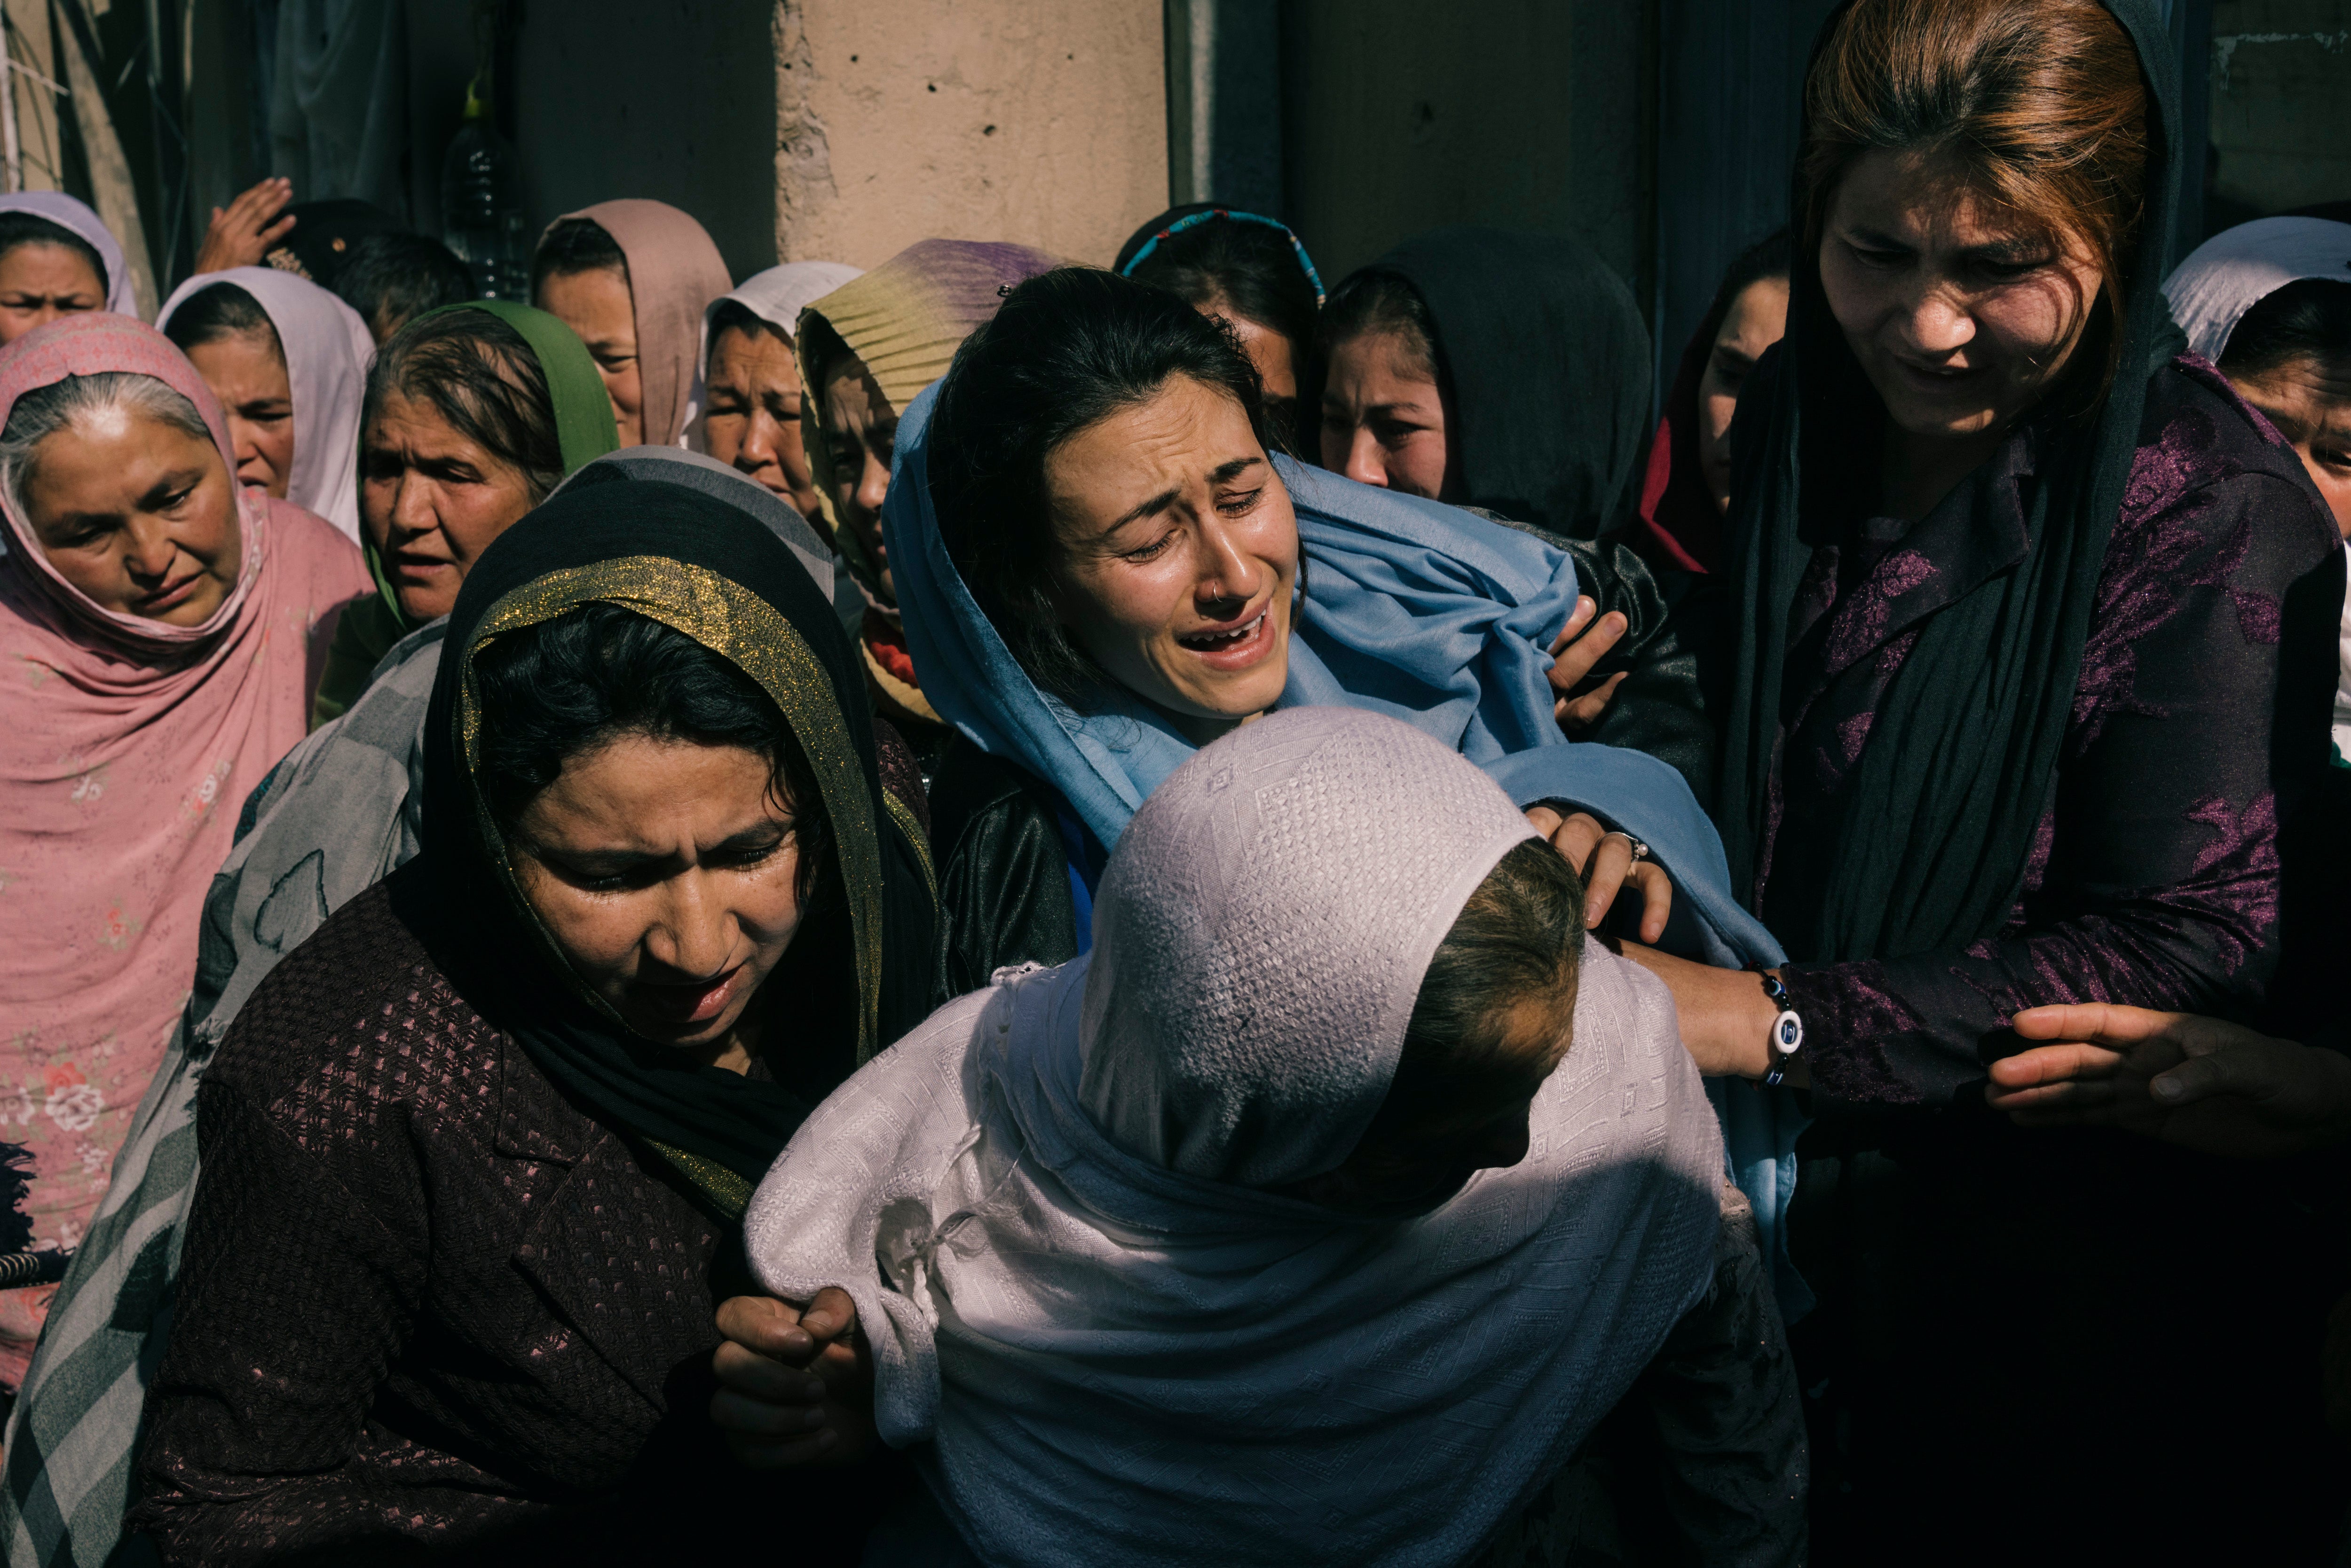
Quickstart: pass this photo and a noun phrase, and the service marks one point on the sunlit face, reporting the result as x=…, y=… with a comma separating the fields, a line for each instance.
x=2312, y=409
x=40, y=282
x=1417, y=1160
x=1383, y=417
x=1757, y=318
x=665, y=871
x=432, y=500
x=137, y=515
x=1178, y=555
x=596, y=305
x=247, y=374
x=862, y=429
x=1270, y=352
x=1961, y=318
x=752, y=414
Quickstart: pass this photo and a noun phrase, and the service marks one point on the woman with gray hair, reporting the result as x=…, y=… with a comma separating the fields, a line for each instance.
x=1315, y=1215
x=166, y=628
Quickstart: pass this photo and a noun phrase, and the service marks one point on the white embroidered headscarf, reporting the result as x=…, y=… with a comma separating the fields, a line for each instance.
x=1053, y=1203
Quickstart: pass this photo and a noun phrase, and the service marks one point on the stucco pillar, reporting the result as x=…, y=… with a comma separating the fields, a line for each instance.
x=1041, y=121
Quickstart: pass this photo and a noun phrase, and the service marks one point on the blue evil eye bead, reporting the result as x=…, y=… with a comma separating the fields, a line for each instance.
x=1787, y=1033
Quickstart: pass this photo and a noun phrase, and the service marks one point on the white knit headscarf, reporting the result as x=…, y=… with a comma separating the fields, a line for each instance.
x=1104, y=1339
x=1261, y=935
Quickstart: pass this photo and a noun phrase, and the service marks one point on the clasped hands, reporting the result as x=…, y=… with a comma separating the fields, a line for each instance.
x=795, y=1385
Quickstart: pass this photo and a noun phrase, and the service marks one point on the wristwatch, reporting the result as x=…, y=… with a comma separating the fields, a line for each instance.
x=1787, y=1029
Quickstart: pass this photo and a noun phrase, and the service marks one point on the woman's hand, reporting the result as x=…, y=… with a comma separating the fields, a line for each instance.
x=1726, y=1016
x=795, y=1387
x=2194, y=1081
x=1604, y=858
x=1582, y=645
x=248, y=228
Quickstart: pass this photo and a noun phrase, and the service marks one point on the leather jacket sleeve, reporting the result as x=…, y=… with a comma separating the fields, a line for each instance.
x=1661, y=708
x=1003, y=876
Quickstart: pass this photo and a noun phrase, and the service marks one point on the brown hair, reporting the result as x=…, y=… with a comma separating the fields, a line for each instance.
x=2039, y=102
x=1506, y=973
x=480, y=376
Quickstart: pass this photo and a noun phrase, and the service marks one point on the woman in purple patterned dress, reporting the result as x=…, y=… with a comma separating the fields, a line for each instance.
x=2020, y=708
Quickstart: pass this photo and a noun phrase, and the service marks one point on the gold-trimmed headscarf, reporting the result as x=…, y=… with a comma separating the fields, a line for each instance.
x=857, y=973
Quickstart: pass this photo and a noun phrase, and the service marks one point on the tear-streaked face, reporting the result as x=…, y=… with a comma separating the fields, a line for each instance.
x=1178, y=555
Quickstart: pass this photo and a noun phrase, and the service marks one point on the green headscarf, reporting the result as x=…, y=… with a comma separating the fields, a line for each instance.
x=584, y=431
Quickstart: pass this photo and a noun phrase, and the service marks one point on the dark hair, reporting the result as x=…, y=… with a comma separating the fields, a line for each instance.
x=564, y=687
x=2308, y=319
x=389, y=277
x=221, y=311
x=1066, y=350
x=25, y=228
x=1375, y=301
x=1245, y=269
x=2040, y=102
x=734, y=316
x=1767, y=258
x=477, y=373
x=576, y=244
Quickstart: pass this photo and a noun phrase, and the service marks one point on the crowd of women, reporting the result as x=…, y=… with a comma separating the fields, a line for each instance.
x=1000, y=911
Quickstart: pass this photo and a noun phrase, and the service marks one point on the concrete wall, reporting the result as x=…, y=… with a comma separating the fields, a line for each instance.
x=1041, y=121
x=837, y=129
x=2281, y=101
x=1531, y=114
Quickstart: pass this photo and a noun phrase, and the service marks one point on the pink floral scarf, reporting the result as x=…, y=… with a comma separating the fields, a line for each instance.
x=128, y=746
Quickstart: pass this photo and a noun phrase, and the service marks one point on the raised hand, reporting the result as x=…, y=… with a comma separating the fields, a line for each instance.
x=248, y=228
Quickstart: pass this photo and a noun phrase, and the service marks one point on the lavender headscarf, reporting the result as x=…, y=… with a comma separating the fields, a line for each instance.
x=77, y=217
x=328, y=352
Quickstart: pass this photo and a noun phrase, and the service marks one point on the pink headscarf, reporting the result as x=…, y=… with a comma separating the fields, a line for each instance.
x=675, y=272
x=131, y=745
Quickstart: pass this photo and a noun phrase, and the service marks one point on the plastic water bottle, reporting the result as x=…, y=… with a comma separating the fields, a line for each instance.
x=481, y=204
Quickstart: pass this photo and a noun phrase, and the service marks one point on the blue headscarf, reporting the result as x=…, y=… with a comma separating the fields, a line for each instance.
x=1419, y=610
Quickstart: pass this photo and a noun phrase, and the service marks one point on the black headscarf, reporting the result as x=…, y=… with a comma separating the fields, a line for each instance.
x=1962, y=761
x=853, y=979
x=1545, y=356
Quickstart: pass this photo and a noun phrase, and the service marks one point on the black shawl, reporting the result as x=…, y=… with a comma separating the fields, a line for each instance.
x=853, y=979
x=1961, y=761
x=1542, y=349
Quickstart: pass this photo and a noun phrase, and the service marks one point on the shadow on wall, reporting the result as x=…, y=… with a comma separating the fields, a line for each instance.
x=666, y=99
x=2281, y=109
x=1530, y=114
